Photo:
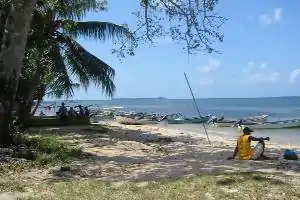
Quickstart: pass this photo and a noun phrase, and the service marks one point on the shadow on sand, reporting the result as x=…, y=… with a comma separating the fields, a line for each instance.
x=117, y=154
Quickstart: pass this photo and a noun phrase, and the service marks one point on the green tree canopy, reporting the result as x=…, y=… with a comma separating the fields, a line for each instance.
x=55, y=28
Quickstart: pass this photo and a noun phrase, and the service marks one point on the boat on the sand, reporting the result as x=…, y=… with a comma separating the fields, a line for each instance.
x=175, y=119
x=225, y=123
x=229, y=123
x=132, y=121
x=294, y=123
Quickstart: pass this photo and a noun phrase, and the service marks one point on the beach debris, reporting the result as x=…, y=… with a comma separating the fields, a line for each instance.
x=230, y=190
x=142, y=184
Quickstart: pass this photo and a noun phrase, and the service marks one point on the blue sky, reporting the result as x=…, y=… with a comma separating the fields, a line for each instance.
x=260, y=55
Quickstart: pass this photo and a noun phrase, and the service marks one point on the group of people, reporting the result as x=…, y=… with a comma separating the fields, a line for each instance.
x=63, y=112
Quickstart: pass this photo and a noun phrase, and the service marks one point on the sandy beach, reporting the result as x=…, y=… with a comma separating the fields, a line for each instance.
x=118, y=154
x=142, y=153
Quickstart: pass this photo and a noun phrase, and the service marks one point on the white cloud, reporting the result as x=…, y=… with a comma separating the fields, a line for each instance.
x=274, y=18
x=260, y=74
x=294, y=75
x=250, y=63
x=206, y=82
x=278, y=14
x=248, y=68
x=212, y=65
x=265, y=19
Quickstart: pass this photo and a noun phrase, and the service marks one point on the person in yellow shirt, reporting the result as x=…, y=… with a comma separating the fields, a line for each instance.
x=243, y=146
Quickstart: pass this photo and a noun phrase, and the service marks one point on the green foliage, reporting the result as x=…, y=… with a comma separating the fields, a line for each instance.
x=12, y=186
x=45, y=150
x=55, y=25
x=233, y=186
x=52, y=47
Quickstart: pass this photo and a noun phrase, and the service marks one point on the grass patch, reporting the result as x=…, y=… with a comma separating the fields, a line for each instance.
x=241, y=186
x=11, y=186
x=44, y=150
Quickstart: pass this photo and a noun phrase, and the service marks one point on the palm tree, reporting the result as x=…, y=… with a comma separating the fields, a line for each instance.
x=56, y=28
x=53, y=55
x=15, y=18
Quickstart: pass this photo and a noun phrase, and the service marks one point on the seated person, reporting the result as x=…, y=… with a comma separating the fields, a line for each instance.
x=81, y=111
x=86, y=111
x=62, y=111
x=243, y=146
x=72, y=112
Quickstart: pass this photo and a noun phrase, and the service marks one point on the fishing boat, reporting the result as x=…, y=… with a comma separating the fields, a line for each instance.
x=186, y=120
x=224, y=123
x=295, y=123
x=259, y=118
x=229, y=123
x=131, y=121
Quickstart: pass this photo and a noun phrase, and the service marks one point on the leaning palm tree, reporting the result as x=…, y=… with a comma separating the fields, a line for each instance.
x=53, y=55
x=56, y=27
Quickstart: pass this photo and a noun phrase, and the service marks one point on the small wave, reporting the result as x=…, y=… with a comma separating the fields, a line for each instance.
x=114, y=107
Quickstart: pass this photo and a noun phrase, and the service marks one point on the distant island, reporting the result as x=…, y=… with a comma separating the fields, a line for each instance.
x=152, y=98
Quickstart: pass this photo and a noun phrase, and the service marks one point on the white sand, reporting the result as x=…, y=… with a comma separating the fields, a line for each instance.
x=133, y=153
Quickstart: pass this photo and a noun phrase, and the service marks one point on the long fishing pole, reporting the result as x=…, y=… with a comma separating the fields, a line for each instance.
x=196, y=105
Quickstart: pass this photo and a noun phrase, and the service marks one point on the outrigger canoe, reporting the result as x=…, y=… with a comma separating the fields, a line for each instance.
x=295, y=123
x=184, y=120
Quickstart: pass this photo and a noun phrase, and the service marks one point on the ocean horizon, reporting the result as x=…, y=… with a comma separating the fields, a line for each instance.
x=166, y=98
x=278, y=108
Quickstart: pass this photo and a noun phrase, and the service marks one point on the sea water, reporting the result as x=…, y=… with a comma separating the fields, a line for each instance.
x=278, y=108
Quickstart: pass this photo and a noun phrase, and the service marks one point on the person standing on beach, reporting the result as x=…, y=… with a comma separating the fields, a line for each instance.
x=243, y=146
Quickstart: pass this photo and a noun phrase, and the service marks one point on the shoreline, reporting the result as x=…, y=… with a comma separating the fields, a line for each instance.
x=214, y=135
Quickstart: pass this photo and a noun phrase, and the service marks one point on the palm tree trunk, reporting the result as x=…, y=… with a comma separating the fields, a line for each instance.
x=11, y=55
x=27, y=102
x=24, y=112
x=36, y=106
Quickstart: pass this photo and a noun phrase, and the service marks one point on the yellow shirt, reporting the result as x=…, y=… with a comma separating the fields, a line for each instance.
x=244, y=146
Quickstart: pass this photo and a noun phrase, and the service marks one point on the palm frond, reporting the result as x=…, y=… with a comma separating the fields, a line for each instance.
x=88, y=67
x=60, y=92
x=61, y=79
x=77, y=70
x=98, y=30
x=77, y=9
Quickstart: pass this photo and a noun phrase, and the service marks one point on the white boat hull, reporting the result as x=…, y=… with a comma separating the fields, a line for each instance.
x=230, y=123
x=224, y=124
x=260, y=118
x=275, y=125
